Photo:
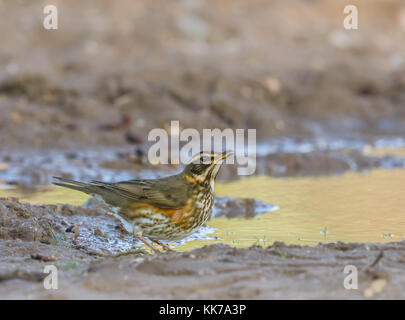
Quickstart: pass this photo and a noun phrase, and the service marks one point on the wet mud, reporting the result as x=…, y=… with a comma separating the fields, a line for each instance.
x=212, y=272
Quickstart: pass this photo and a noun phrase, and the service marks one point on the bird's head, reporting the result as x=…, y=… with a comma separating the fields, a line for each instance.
x=204, y=166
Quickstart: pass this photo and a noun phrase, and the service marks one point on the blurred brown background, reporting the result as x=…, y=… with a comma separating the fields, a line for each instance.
x=78, y=102
x=115, y=69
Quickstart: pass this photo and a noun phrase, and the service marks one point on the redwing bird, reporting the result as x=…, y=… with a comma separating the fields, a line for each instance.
x=169, y=208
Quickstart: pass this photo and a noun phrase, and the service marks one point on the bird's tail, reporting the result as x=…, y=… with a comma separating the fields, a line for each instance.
x=72, y=184
x=94, y=188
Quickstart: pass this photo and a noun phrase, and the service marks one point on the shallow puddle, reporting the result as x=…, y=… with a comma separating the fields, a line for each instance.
x=361, y=207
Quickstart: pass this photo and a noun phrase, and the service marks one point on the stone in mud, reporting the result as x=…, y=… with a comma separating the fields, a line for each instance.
x=70, y=210
x=229, y=207
x=96, y=204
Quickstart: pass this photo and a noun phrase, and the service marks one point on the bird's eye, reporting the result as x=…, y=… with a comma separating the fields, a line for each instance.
x=205, y=159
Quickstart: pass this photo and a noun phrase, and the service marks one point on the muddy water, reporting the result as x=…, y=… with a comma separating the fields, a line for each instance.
x=360, y=207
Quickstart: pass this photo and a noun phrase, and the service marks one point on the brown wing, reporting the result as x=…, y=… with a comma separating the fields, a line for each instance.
x=170, y=192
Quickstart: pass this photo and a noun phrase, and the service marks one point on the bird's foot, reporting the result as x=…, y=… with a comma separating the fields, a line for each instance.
x=142, y=239
x=164, y=246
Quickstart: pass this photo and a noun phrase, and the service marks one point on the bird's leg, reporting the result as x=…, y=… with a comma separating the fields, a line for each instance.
x=164, y=246
x=142, y=239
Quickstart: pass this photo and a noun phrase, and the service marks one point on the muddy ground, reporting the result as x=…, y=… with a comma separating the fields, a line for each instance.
x=79, y=102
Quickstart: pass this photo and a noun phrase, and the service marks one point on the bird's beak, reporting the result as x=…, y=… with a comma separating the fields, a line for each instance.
x=220, y=157
x=226, y=154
